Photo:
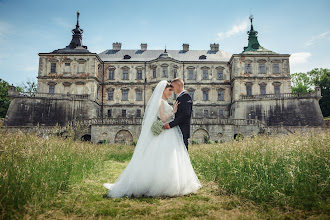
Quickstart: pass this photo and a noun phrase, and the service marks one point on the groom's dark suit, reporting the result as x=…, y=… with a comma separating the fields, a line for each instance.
x=183, y=116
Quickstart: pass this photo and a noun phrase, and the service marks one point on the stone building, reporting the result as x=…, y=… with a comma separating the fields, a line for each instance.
x=245, y=93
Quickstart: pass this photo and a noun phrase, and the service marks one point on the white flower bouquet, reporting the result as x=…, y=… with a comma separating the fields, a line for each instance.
x=157, y=127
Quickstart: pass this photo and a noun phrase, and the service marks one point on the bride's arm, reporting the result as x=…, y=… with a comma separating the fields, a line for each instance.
x=164, y=117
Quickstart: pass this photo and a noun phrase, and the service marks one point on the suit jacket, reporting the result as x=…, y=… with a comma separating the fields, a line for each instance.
x=183, y=114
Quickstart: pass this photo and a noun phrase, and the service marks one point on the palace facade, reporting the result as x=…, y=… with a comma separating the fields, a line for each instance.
x=245, y=93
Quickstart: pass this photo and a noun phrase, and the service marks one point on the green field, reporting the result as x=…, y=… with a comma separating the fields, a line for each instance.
x=265, y=177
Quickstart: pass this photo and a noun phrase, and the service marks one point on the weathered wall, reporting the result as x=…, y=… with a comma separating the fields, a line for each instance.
x=281, y=112
x=47, y=111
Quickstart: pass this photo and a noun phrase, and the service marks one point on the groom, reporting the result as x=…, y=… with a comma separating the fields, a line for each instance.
x=183, y=113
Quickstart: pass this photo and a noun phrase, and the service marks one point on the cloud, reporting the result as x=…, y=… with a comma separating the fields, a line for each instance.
x=316, y=38
x=300, y=57
x=236, y=29
x=5, y=28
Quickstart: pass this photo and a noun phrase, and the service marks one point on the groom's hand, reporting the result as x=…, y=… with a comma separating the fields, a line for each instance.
x=166, y=126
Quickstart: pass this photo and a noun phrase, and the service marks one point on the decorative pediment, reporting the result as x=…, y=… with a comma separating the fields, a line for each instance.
x=276, y=83
x=125, y=68
x=205, y=68
x=111, y=67
x=67, y=60
x=80, y=83
x=276, y=61
x=110, y=89
x=262, y=61
x=248, y=61
x=190, y=67
x=248, y=83
x=164, y=65
x=139, y=68
x=205, y=89
x=81, y=60
x=66, y=83
x=52, y=83
x=262, y=84
x=53, y=60
x=175, y=66
x=219, y=68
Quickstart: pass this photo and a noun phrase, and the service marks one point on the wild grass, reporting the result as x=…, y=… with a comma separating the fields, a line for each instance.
x=33, y=169
x=259, y=178
x=286, y=171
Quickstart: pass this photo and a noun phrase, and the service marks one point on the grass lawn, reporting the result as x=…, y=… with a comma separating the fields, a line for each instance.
x=284, y=177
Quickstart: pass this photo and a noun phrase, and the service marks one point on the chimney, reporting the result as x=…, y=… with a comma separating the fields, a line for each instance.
x=144, y=47
x=214, y=47
x=185, y=47
x=116, y=46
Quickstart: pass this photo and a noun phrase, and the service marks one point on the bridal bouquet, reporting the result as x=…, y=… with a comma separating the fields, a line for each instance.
x=157, y=127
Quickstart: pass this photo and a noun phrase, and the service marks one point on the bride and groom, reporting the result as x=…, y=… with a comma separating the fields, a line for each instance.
x=160, y=165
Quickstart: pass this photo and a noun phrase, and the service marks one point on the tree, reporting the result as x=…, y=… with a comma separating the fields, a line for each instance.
x=305, y=82
x=4, y=100
x=301, y=83
x=321, y=77
x=29, y=86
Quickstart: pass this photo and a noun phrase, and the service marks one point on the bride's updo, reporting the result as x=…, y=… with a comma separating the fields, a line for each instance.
x=168, y=85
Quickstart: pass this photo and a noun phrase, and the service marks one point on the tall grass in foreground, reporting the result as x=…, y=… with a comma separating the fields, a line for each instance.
x=33, y=170
x=288, y=170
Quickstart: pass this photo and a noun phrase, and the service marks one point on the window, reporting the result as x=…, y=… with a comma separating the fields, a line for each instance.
x=248, y=89
x=53, y=67
x=125, y=74
x=67, y=64
x=248, y=68
x=277, y=89
x=191, y=93
x=220, y=95
x=205, y=95
x=262, y=68
x=111, y=74
x=276, y=68
x=190, y=74
x=110, y=95
x=175, y=73
x=138, y=95
x=139, y=74
x=109, y=113
x=138, y=113
x=262, y=89
x=51, y=89
x=221, y=115
x=125, y=95
x=123, y=113
x=154, y=73
x=164, y=71
x=206, y=113
x=205, y=74
x=220, y=74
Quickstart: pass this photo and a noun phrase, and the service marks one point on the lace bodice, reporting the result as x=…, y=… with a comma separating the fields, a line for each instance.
x=165, y=112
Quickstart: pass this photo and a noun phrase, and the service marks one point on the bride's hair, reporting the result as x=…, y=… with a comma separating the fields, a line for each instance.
x=168, y=85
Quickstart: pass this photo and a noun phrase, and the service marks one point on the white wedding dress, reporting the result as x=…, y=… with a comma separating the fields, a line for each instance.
x=160, y=165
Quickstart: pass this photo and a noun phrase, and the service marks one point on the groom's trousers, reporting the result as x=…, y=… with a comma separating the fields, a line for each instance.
x=186, y=143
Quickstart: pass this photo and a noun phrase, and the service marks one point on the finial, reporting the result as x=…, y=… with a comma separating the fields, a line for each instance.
x=165, y=49
x=251, y=18
x=78, y=13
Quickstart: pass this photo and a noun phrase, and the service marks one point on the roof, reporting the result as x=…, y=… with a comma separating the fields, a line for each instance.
x=180, y=55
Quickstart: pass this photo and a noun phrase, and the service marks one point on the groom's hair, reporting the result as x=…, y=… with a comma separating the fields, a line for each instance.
x=178, y=80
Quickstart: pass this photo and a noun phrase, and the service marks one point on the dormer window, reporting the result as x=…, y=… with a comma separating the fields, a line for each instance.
x=202, y=57
x=127, y=57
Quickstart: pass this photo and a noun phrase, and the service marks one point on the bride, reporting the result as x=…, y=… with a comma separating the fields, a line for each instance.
x=160, y=165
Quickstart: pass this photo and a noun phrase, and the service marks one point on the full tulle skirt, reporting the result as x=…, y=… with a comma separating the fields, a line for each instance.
x=162, y=169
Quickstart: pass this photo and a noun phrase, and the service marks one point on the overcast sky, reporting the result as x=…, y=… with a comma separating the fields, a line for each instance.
x=28, y=27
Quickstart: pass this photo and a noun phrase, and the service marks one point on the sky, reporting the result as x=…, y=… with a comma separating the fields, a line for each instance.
x=28, y=27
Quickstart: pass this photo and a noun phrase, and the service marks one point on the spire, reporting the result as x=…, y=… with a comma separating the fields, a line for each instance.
x=77, y=36
x=254, y=45
x=75, y=45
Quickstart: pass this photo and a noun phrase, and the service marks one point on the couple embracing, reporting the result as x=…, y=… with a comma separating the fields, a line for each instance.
x=160, y=165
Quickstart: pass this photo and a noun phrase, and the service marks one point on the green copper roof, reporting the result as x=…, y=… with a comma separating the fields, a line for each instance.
x=254, y=46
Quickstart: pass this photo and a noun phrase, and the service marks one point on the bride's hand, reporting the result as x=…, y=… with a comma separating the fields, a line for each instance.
x=175, y=107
